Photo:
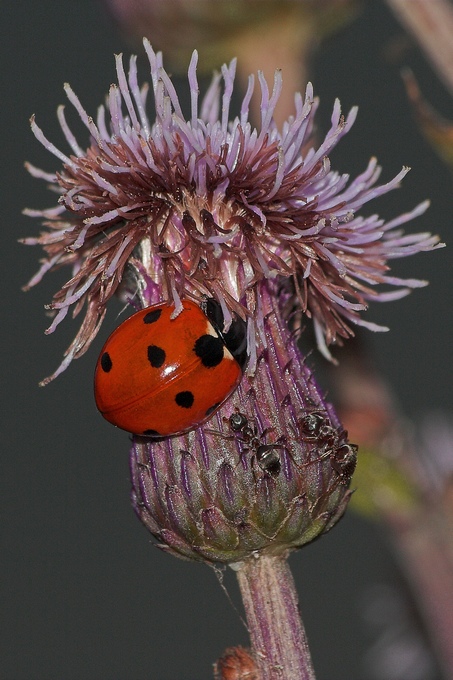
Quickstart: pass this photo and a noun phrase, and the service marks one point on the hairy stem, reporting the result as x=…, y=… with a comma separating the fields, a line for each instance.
x=278, y=640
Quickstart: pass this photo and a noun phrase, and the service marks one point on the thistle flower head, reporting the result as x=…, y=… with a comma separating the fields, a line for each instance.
x=267, y=474
x=216, y=207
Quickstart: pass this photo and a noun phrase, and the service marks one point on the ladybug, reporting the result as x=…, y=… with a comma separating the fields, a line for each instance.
x=159, y=376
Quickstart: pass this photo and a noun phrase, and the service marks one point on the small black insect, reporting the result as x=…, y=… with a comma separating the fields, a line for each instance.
x=342, y=455
x=343, y=460
x=315, y=427
x=265, y=455
x=238, y=421
x=311, y=424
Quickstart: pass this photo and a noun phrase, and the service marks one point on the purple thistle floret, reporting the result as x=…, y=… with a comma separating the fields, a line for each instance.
x=216, y=208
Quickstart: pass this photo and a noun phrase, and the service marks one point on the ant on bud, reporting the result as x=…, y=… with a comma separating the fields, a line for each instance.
x=265, y=455
x=332, y=443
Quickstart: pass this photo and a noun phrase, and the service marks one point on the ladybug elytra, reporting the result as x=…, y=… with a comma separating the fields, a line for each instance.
x=160, y=376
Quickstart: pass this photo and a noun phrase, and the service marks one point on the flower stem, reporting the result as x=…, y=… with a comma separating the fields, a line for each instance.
x=277, y=636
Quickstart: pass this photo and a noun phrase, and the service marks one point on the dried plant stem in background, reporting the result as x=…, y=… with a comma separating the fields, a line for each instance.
x=405, y=483
x=421, y=548
x=431, y=23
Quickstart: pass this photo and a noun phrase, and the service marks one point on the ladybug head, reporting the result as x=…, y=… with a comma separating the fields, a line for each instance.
x=236, y=337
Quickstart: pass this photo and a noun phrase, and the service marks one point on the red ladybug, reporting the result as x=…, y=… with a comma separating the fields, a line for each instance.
x=159, y=376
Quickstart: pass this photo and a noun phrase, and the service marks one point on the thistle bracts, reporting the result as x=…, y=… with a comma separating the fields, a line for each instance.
x=267, y=474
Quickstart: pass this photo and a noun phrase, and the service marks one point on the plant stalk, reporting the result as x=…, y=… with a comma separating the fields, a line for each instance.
x=277, y=636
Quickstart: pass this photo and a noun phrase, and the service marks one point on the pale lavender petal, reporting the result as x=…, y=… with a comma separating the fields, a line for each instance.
x=223, y=206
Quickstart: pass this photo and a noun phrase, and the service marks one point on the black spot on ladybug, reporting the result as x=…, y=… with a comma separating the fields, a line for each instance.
x=209, y=350
x=152, y=433
x=156, y=356
x=152, y=317
x=106, y=362
x=213, y=408
x=185, y=399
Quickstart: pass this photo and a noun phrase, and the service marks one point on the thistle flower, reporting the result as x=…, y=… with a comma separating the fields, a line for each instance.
x=217, y=208
x=255, y=219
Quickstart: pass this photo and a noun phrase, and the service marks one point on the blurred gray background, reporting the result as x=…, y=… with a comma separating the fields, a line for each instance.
x=84, y=594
